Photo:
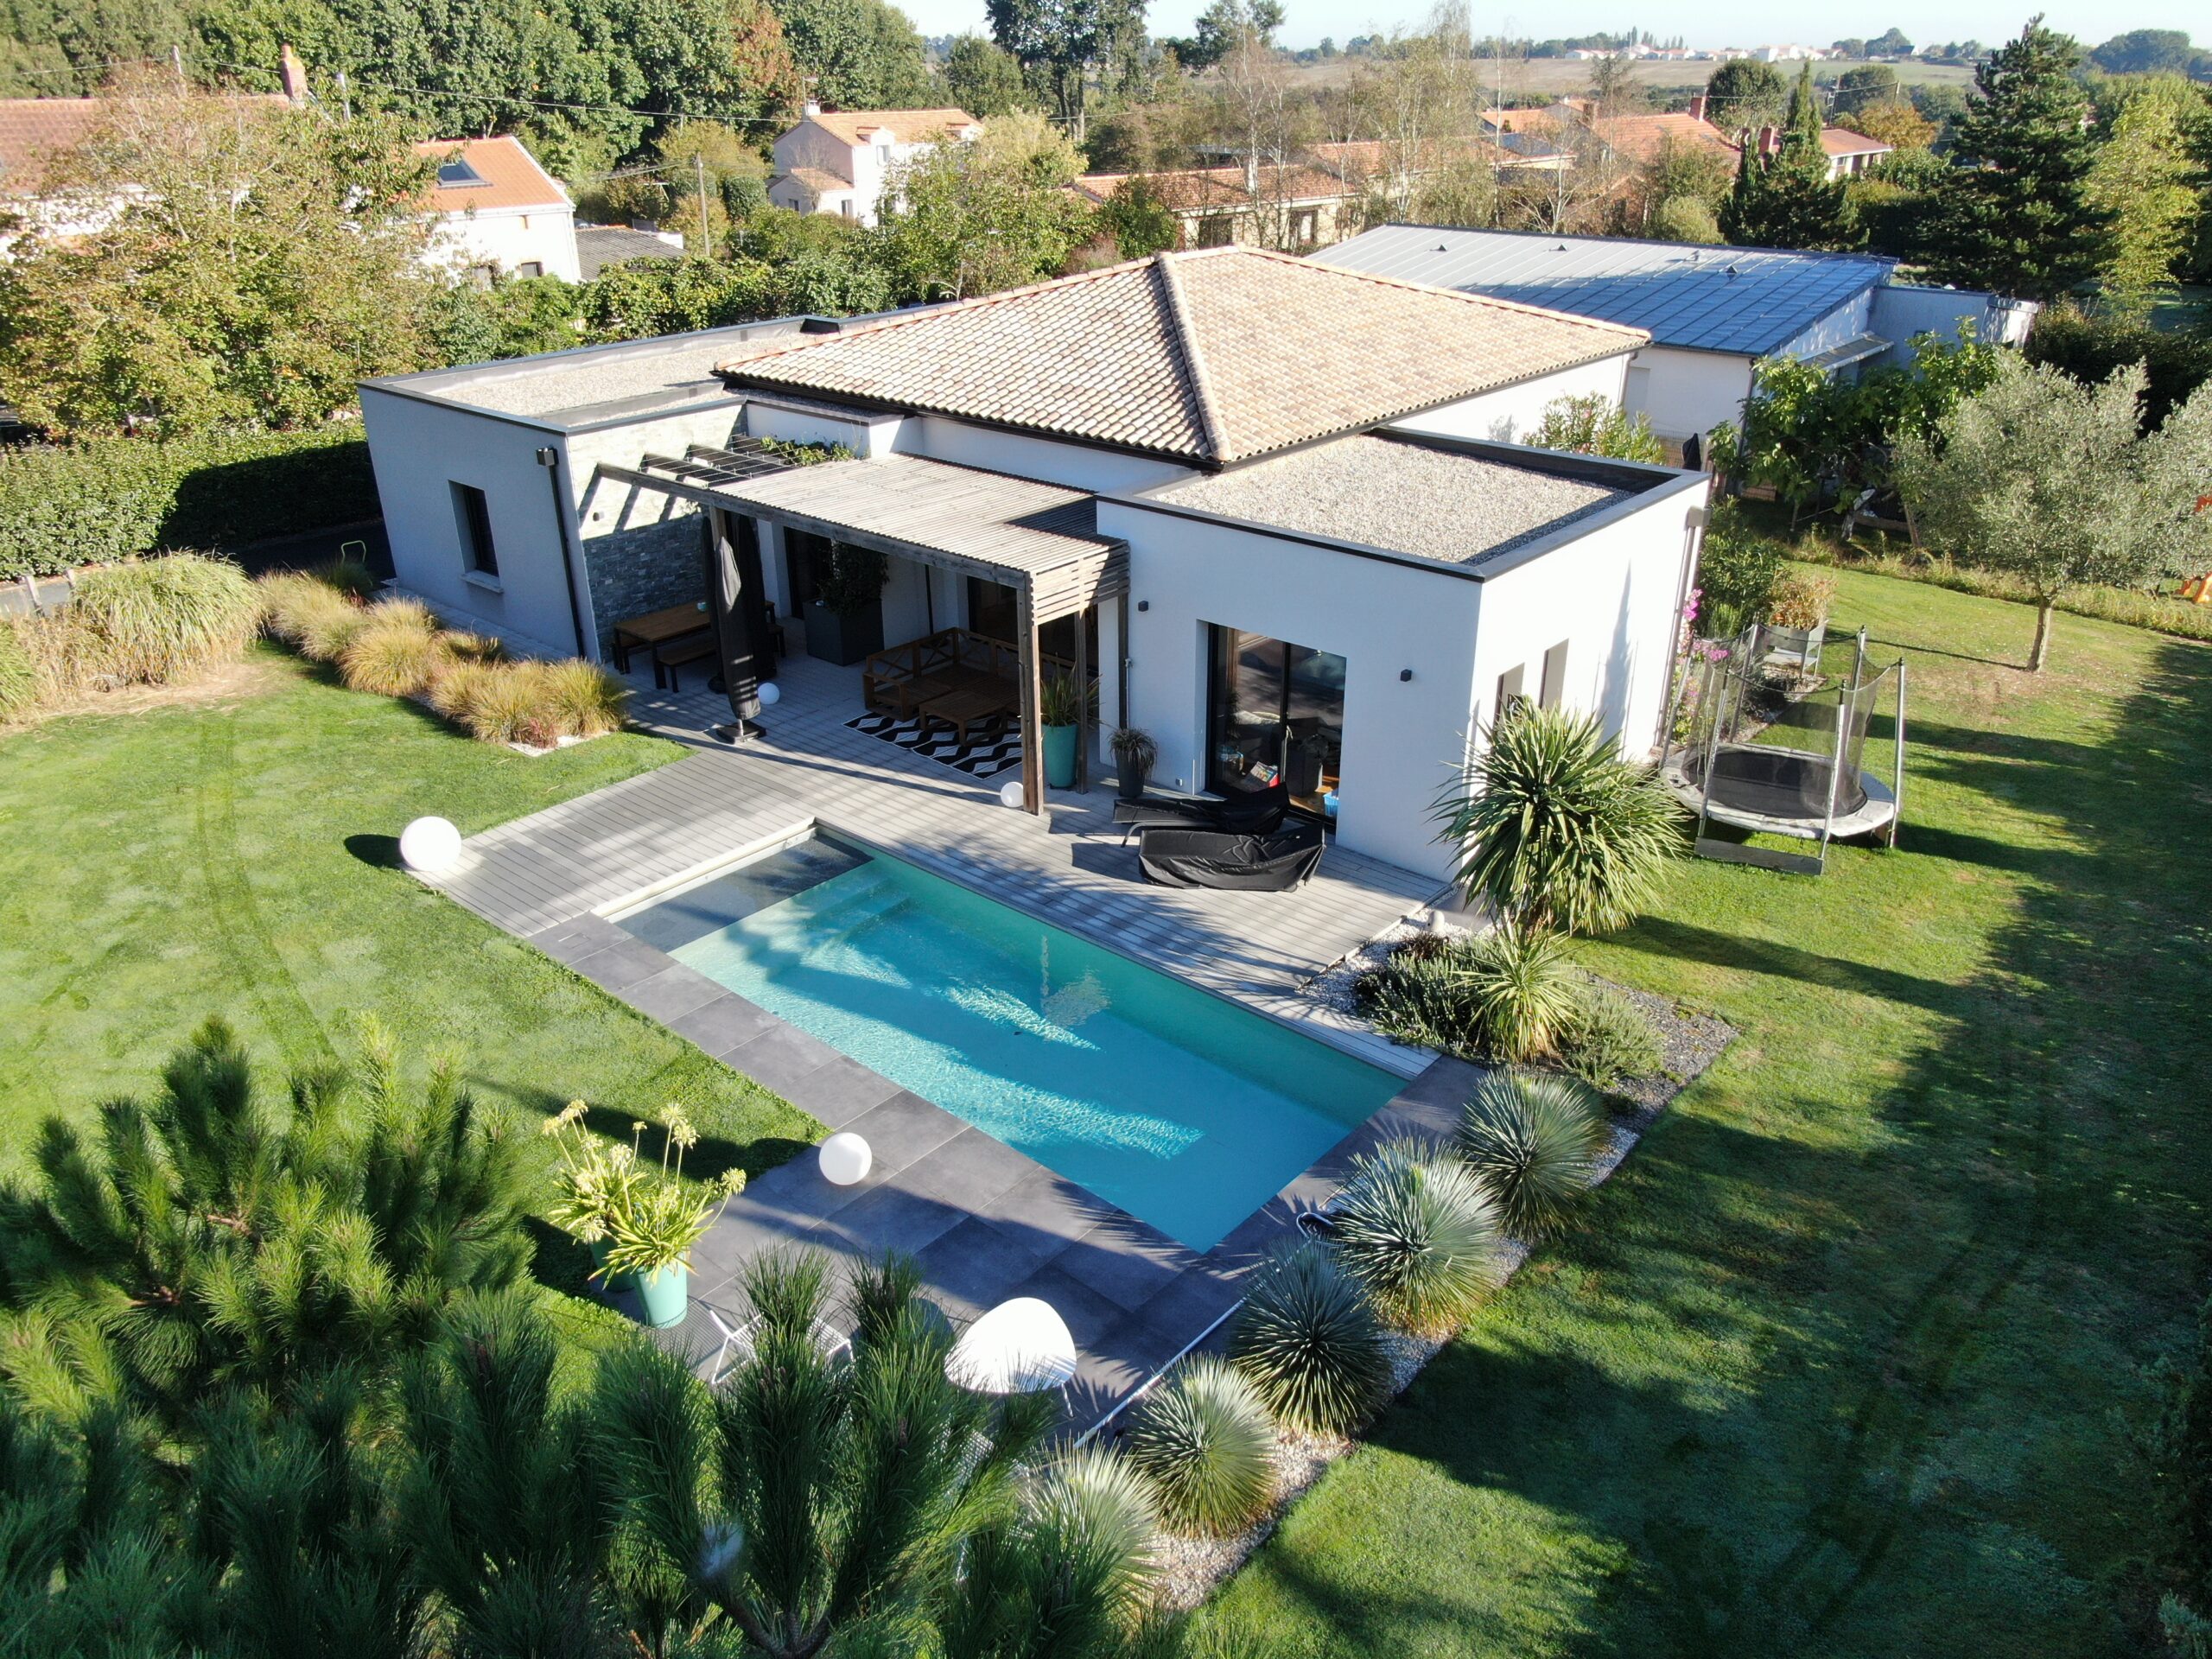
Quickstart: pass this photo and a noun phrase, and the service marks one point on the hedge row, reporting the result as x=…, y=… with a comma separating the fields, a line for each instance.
x=108, y=499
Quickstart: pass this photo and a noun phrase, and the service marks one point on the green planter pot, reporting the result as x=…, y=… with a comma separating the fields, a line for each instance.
x=664, y=1294
x=1059, y=756
x=612, y=1283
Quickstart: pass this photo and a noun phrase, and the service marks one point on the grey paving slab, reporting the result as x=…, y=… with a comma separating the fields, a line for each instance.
x=904, y=1127
x=972, y=1168
x=617, y=967
x=841, y=1093
x=722, y=1024
x=887, y=1218
x=670, y=993
x=780, y=1057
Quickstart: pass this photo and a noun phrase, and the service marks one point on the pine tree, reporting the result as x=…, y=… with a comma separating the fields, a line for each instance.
x=1787, y=200
x=2015, y=212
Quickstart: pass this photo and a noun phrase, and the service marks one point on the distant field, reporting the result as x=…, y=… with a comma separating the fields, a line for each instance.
x=1570, y=75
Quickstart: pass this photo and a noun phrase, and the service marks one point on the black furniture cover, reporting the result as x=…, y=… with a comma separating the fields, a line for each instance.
x=1213, y=858
x=1257, y=812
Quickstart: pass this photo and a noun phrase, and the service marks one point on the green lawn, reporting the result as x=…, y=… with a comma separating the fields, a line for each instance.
x=238, y=858
x=1833, y=1366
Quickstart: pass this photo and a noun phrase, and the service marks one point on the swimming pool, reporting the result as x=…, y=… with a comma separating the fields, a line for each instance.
x=1185, y=1110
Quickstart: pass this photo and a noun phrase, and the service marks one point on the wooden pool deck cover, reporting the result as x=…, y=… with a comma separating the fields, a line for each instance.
x=983, y=1221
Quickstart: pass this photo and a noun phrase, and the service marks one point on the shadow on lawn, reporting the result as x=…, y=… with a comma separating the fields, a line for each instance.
x=1892, y=1422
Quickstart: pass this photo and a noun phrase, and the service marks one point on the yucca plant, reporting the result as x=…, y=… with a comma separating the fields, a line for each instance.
x=152, y=621
x=1205, y=1439
x=1552, y=828
x=1308, y=1339
x=1418, y=1233
x=1518, y=989
x=396, y=653
x=1532, y=1140
x=582, y=699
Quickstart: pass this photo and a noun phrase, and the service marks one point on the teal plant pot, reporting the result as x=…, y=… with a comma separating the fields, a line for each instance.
x=1059, y=756
x=664, y=1294
x=612, y=1283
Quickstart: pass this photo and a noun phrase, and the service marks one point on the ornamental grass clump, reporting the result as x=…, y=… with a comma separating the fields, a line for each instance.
x=19, y=676
x=512, y=703
x=1416, y=1230
x=154, y=621
x=397, y=652
x=1307, y=1338
x=296, y=605
x=1607, y=1038
x=1532, y=1140
x=1208, y=1444
x=582, y=699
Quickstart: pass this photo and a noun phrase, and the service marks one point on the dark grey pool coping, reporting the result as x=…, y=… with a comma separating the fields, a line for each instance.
x=984, y=1222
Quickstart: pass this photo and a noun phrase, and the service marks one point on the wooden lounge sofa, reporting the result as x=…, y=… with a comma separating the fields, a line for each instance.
x=951, y=678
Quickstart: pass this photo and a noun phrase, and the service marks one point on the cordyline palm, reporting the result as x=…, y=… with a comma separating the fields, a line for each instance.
x=1553, y=828
x=809, y=1499
x=208, y=1236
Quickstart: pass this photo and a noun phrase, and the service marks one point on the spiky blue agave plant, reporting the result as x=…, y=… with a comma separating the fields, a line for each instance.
x=1307, y=1338
x=1208, y=1443
x=1418, y=1232
x=1532, y=1140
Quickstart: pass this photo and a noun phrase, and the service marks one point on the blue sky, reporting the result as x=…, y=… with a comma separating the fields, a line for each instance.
x=1737, y=22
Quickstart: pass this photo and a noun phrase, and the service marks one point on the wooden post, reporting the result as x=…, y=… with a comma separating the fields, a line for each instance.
x=1083, y=736
x=1032, y=696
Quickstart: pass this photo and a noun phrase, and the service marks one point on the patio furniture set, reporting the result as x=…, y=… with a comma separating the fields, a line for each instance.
x=677, y=636
x=953, y=677
x=1239, y=842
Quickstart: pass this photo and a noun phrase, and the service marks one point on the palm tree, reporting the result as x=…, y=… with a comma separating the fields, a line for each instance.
x=866, y=1499
x=1553, y=828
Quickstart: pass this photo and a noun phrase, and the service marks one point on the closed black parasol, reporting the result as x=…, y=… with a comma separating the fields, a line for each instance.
x=734, y=601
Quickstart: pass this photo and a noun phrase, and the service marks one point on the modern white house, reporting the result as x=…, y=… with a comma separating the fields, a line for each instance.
x=1712, y=312
x=840, y=161
x=497, y=212
x=1257, y=500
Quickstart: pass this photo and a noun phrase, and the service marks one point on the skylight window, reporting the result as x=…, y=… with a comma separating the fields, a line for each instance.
x=455, y=172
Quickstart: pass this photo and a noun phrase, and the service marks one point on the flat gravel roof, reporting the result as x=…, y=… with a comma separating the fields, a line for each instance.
x=1395, y=494
x=606, y=382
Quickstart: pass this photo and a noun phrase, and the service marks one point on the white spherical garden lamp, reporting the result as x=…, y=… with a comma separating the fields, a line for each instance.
x=769, y=693
x=846, y=1159
x=430, y=846
x=1010, y=794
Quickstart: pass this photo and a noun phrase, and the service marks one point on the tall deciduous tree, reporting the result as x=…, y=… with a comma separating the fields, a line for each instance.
x=863, y=54
x=1745, y=93
x=1062, y=44
x=2050, y=480
x=1787, y=200
x=977, y=217
x=2015, y=213
x=2146, y=180
x=983, y=77
x=251, y=265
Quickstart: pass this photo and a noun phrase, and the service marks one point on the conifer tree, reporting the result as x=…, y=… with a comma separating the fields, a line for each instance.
x=1787, y=200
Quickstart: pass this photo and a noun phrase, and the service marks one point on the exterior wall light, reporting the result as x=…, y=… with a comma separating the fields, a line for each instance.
x=1404, y=673
x=1144, y=604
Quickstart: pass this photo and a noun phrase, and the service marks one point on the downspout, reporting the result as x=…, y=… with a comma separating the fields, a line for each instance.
x=556, y=474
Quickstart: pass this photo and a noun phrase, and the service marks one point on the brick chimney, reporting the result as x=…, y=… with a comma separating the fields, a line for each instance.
x=292, y=75
x=1770, y=141
x=810, y=109
x=1698, y=103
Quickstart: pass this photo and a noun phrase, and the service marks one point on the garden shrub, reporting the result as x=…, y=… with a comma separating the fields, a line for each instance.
x=1532, y=1140
x=1800, y=599
x=101, y=499
x=154, y=621
x=1606, y=1038
x=1307, y=1338
x=1205, y=1439
x=396, y=651
x=1738, y=566
x=583, y=699
x=1503, y=996
x=512, y=703
x=1418, y=1233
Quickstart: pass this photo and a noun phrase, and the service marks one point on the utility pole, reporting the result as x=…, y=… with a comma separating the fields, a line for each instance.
x=706, y=236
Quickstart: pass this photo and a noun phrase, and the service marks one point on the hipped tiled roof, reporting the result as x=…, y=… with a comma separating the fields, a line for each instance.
x=901, y=126
x=510, y=174
x=1209, y=357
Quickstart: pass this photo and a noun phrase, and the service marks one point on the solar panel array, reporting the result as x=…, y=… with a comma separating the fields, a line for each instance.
x=1719, y=299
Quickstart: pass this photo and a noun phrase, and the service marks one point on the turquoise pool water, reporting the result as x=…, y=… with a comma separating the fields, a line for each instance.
x=1183, y=1109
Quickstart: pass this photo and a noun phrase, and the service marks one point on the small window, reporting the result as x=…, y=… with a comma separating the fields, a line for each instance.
x=474, y=514
x=1554, y=676
x=456, y=173
x=531, y=268
x=845, y=206
x=883, y=154
x=1509, y=690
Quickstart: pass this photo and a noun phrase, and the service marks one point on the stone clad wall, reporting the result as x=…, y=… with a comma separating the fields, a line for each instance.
x=642, y=549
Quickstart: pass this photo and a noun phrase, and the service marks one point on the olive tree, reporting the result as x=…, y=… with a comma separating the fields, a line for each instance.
x=2048, y=480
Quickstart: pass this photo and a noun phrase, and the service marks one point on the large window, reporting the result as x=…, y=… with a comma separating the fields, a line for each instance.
x=474, y=514
x=1275, y=708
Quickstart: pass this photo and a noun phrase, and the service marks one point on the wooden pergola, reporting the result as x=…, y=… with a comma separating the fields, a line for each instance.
x=1038, y=539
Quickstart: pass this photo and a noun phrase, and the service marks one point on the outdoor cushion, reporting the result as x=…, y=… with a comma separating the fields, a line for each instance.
x=1259, y=812
x=1209, y=858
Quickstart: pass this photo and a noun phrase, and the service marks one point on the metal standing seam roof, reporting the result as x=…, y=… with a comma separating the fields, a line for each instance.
x=1208, y=357
x=1750, y=301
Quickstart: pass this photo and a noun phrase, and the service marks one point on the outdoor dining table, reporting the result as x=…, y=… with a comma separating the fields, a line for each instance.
x=657, y=628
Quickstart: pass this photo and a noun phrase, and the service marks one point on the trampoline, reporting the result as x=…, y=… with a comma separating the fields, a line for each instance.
x=1775, y=749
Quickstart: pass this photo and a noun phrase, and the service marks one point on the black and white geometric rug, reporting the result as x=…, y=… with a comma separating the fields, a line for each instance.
x=986, y=758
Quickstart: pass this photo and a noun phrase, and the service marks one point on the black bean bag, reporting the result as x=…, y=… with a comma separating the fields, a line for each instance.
x=1213, y=858
x=1257, y=813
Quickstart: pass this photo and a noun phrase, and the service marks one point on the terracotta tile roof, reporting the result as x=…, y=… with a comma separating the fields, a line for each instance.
x=1209, y=357
x=1842, y=141
x=816, y=180
x=906, y=126
x=511, y=176
x=33, y=130
x=1640, y=137
x=1195, y=189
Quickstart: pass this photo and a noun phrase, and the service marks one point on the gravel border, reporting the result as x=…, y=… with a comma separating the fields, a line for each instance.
x=1191, y=1569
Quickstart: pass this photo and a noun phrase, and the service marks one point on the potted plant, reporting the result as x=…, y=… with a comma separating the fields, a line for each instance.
x=594, y=1182
x=1060, y=711
x=640, y=1225
x=1134, y=753
x=845, y=621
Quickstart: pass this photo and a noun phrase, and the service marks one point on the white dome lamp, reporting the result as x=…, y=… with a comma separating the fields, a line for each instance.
x=769, y=693
x=1010, y=794
x=430, y=846
x=846, y=1159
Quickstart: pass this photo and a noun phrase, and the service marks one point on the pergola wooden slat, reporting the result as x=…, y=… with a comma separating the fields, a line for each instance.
x=1038, y=539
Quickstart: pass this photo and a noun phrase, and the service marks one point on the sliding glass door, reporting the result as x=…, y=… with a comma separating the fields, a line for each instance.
x=1275, y=708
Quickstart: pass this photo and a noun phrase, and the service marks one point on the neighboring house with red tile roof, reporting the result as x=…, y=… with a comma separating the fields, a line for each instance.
x=1276, y=506
x=498, y=212
x=1292, y=207
x=840, y=161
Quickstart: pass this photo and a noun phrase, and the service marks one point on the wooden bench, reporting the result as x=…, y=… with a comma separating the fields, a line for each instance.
x=905, y=677
x=970, y=706
x=670, y=657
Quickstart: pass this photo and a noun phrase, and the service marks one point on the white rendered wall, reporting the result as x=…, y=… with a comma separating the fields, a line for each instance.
x=1902, y=310
x=1693, y=392
x=510, y=239
x=1504, y=415
x=1612, y=596
x=1840, y=327
x=1400, y=737
x=419, y=451
x=864, y=434
x=1080, y=466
